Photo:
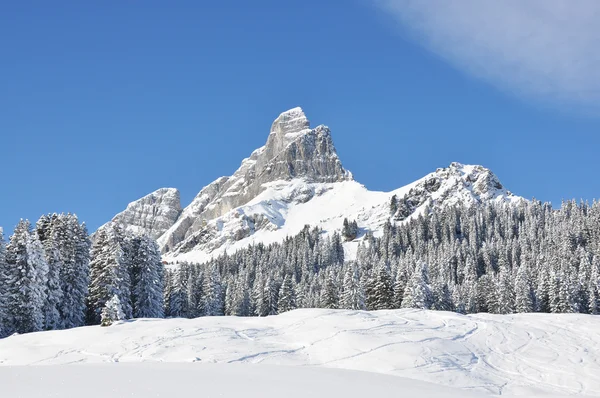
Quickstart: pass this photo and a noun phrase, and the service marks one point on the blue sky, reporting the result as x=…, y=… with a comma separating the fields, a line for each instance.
x=105, y=102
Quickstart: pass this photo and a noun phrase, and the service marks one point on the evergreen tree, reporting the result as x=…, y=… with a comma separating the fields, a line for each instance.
x=259, y=303
x=353, y=296
x=270, y=296
x=329, y=296
x=393, y=205
x=524, y=298
x=73, y=245
x=398, y=289
x=109, y=274
x=54, y=293
x=384, y=292
x=112, y=311
x=418, y=293
x=4, y=322
x=27, y=279
x=213, y=293
x=371, y=298
x=505, y=294
x=442, y=297
x=349, y=230
x=287, y=296
x=147, y=278
x=594, y=288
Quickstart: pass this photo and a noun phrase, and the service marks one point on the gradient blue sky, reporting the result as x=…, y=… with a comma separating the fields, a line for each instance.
x=104, y=102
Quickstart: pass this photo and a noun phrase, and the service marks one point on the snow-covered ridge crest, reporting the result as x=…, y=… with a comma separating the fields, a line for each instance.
x=152, y=215
x=297, y=179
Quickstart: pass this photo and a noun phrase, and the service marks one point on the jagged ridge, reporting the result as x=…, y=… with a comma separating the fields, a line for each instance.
x=295, y=179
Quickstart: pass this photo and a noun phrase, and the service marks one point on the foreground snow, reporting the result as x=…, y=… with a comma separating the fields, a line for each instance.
x=207, y=381
x=521, y=354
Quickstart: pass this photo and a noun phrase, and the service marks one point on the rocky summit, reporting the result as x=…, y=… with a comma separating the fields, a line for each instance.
x=293, y=150
x=153, y=214
x=295, y=179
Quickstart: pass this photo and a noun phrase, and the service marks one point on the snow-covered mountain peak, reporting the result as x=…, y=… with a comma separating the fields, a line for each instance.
x=296, y=179
x=457, y=184
x=293, y=151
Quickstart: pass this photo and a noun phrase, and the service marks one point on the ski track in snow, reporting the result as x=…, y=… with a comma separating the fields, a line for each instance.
x=521, y=354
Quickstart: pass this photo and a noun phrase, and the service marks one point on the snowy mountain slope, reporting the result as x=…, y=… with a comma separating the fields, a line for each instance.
x=296, y=179
x=524, y=354
x=285, y=207
x=209, y=380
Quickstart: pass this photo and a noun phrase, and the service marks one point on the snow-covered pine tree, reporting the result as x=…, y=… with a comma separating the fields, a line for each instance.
x=287, y=296
x=147, y=278
x=109, y=274
x=442, y=297
x=3, y=286
x=594, y=287
x=329, y=295
x=524, y=296
x=418, y=293
x=213, y=293
x=74, y=254
x=270, y=297
x=239, y=296
x=393, y=205
x=400, y=282
x=175, y=294
x=349, y=230
x=384, y=293
x=195, y=293
x=504, y=292
x=259, y=303
x=112, y=311
x=353, y=294
x=48, y=236
x=27, y=274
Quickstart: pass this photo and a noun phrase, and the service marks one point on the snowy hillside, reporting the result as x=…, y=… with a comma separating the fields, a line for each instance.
x=525, y=354
x=295, y=179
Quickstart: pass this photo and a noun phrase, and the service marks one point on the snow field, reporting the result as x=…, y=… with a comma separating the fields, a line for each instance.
x=523, y=354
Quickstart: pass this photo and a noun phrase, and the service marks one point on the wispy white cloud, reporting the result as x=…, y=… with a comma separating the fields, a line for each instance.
x=542, y=50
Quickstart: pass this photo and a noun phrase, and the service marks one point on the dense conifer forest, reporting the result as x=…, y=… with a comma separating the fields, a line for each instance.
x=489, y=258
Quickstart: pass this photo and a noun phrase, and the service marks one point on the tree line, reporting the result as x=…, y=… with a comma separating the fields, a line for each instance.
x=493, y=258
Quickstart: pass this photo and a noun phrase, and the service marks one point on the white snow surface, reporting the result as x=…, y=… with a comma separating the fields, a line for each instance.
x=483, y=354
x=207, y=381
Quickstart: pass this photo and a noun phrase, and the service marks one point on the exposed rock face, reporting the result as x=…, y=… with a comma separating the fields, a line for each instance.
x=293, y=150
x=153, y=214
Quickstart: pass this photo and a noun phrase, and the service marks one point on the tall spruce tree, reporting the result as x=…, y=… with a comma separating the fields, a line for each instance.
x=147, y=278
x=287, y=296
x=353, y=294
x=27, y=274
x=418, y=293
x=74, y=254
x=49, y=238
x=109, y=274
x=3, y=287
